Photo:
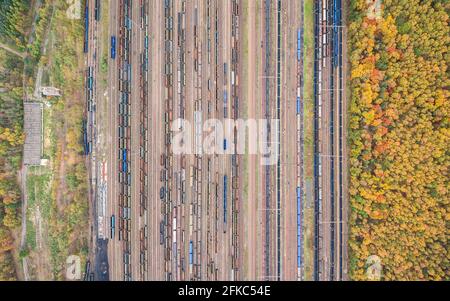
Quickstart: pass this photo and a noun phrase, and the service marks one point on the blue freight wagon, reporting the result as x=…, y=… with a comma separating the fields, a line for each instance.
x=113, y=47
x=128, y=23
x=191, y=253
x=113, y=226
x=225, y=104
x=90, y=83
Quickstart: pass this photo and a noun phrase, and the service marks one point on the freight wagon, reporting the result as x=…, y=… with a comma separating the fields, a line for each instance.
x=86, y=27
x=113, y=226
x=113, y=47
x=97, y=10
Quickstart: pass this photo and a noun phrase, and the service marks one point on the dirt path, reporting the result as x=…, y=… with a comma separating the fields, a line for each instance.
x=25, y=269
x=13, y=51
x=41, y=260
x=61, y=170
x=23, y=172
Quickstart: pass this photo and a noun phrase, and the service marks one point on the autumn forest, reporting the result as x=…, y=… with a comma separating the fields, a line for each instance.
x=399, y=139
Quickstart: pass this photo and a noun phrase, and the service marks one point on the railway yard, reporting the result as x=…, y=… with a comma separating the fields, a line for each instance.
x=160, y=215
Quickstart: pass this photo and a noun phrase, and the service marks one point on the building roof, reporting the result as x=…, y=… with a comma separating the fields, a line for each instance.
x=33, y=133
x=50, y=91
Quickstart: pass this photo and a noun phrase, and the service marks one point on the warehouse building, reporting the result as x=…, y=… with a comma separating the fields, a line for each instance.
x=33, y=133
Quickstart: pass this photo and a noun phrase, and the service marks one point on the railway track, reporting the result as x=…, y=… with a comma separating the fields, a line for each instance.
x=165, y=228
x=267, y=116
x=145, y=111
x=328, y=155
x=124, y=115
x=272, y=227
x=300, y=158
x=197, y=204
x=235, y=208
x=194, y=200
x=93, y=140
x=278, y=140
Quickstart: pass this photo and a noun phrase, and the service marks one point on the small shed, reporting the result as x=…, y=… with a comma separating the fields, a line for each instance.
x=50, y=91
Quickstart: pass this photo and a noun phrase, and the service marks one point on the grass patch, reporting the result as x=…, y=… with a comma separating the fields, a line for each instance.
x=309, y=133
x=31, y=236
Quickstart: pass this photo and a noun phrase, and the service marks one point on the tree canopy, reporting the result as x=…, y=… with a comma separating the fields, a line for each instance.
x=399, y=139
